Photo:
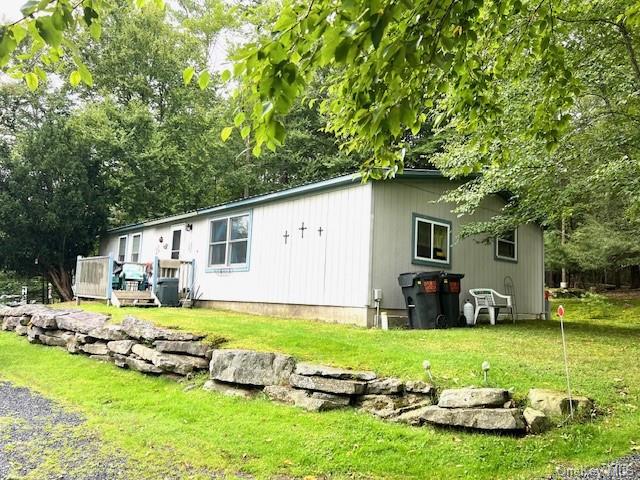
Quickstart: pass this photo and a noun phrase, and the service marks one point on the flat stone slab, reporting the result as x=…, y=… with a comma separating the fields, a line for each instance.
x=196, y=349
x=33, y=333
x=55, y=338
x=46, y=318
x=10, y=323
x=385, y=386
x=81, y=322
x=21, y=330
x=473, y=397
x=247, y=367
x=418, y=386
x=390, y=406
x=109, y=333
x=181, y=364
x=537, y=421
x=411, y=416
x=311, y=369
x=147, y=331
x=230, y=389
x=328, y=385
x=136, y=364
x=506, y=419
x=99, y=348
x=552, y=402
x=123, y=347
x=310, y=401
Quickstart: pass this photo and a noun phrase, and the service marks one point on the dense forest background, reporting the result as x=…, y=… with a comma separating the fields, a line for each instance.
x=136, y=141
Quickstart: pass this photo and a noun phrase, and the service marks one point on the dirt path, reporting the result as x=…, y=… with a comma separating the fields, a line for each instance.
x=40, y=440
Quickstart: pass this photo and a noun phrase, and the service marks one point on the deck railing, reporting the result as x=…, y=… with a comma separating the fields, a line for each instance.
x=183, y=270
x=93, y=277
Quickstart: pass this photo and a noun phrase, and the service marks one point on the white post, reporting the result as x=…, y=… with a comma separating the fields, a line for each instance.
x=566, y=360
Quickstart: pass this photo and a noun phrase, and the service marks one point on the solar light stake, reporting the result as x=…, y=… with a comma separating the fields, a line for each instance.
x=566, y=360
x=485, y=370
x=427, y=367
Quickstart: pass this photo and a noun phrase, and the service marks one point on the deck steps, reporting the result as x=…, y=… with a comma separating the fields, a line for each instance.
x=128, y=298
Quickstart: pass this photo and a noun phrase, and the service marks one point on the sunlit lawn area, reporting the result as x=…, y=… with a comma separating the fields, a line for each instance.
x=167, y=429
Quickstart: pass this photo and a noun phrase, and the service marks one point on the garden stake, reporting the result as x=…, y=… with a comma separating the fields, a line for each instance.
x=485, y=370
x=566, y=361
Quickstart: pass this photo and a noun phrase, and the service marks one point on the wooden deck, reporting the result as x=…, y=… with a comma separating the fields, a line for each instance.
x=128, y=298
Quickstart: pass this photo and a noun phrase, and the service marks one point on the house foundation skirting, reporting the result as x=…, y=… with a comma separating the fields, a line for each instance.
x=346, y=315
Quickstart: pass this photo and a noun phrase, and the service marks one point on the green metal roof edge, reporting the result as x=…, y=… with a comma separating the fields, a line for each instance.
x=269, y=197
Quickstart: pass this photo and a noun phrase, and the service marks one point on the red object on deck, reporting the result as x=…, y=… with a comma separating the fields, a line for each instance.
x=561, y=311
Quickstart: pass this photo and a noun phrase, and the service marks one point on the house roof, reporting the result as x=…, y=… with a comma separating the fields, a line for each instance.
x=269, y=197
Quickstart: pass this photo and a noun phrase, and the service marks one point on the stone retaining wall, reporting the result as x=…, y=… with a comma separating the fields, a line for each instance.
x=134, y=344
x=141, y=346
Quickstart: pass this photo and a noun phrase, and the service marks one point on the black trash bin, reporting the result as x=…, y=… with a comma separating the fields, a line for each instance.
x=420, y=292
x=450, y=298
x=167, y=292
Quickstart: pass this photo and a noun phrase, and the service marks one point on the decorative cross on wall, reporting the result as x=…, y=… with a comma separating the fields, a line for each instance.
x=302, y=229
x=286, y=236
x=320, y=230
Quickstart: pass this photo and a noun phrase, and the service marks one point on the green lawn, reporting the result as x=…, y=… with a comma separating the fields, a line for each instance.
x=167, y=429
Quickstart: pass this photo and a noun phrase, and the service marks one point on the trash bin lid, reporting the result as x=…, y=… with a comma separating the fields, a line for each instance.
x=452, y=276
x=167, y=280
x=406, y=279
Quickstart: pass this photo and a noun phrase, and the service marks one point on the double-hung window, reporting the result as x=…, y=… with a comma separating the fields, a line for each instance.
x=135, y=247
x=229, y=241
x=507, y=246
x=122, y=249
x=431, y=241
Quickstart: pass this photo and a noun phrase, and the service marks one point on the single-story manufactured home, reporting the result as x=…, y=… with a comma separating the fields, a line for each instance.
x=321, y=250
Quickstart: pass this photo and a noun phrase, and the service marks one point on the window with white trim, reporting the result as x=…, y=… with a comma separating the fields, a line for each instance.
x=507, y=246
x=229, y=241
x=122, y=249
x=135, y=247
x=431, y=240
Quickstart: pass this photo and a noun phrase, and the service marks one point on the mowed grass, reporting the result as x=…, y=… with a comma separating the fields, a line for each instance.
x=169, y=430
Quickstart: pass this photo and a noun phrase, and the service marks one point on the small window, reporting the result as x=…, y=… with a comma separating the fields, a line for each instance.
x=229, y=241
x=431, y=241
x=175, y=244
x=507, y=246
x=122, y=249
x=135, y=247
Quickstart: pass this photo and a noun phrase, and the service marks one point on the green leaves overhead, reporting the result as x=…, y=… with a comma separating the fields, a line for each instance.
x=391, y=67
x=47, y=28
x=226, y=133
x=187, y=75
x=203, y=79
x=31, y=80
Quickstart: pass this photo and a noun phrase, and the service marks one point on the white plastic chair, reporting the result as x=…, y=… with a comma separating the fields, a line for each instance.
x=492, y=301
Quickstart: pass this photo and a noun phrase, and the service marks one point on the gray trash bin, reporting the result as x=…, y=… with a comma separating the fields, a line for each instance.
x=167, y=292
x=421, y=295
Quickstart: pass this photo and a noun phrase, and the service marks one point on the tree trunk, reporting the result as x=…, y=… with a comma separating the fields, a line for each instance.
x=618, y=279
x=635, y=276
x=61, y=281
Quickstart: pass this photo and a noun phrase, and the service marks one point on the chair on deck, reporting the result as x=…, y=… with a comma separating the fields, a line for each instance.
x=492, y=301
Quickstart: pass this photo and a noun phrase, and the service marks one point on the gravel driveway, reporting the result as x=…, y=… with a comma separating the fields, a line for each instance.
x=40, y=440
